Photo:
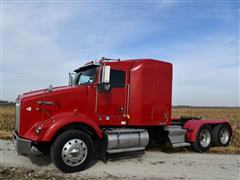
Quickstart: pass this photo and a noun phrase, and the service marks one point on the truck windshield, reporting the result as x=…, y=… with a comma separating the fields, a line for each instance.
x=85, y=77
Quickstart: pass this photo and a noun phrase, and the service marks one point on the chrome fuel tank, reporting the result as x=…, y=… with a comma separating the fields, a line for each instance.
x=126, y=139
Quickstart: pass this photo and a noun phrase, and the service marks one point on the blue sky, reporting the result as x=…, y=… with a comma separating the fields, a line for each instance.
x=43, y=41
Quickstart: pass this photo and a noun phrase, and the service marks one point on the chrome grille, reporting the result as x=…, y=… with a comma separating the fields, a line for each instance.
x=18, y=107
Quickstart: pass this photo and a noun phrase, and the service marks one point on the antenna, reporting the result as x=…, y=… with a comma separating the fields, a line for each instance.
x=95, y=47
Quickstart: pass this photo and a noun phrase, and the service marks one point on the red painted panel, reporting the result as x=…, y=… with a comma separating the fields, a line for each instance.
x=150, y=93
x=64, y=100
x=109, y=104
x=51, y=126
x=149, y=99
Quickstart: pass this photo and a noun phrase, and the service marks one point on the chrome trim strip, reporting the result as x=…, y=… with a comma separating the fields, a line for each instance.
x=112, y=151
x=45, y=102
x=128, y=98
x=18, y=109
x=96, y=101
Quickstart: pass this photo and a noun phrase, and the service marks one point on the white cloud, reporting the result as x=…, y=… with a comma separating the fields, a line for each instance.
x=207, y=73
x=43, y=42
x=31, y=56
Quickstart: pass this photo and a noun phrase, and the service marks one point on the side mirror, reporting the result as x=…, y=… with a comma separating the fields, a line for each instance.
x=104, y=85
x=105, y=74
x=70, y=81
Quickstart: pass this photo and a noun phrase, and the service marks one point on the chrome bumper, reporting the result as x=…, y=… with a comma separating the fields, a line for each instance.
x=23, y=146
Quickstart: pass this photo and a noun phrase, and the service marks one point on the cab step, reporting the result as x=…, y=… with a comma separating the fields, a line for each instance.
x=184, y=144
x=176, y=135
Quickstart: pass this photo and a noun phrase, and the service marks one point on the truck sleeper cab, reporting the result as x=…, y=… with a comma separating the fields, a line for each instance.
x=110, y=106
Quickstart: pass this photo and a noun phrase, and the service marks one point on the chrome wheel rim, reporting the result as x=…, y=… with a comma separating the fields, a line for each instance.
x=224, y=136
x=74, y=152
x=205, y=138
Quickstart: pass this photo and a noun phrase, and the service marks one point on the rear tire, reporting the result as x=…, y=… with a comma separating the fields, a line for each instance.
x=222, y=135
x=204, y=139
x=72, y=151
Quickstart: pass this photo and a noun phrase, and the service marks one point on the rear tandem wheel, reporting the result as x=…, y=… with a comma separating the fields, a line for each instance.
x=222, y=135
x=204, y=139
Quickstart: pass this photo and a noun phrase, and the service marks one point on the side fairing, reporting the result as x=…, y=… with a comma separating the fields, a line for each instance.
x=150, y=93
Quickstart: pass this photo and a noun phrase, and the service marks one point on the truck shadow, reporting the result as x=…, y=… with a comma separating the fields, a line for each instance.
x=38, y=158
x=166, y=147
x=125, y=155
x=41, y=160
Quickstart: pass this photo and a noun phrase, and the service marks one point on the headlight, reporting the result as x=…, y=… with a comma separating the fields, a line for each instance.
x=38, y=129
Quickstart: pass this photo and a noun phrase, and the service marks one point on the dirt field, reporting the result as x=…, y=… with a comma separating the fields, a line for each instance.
x=7, y=122
x=230, y=114
x=151, y=165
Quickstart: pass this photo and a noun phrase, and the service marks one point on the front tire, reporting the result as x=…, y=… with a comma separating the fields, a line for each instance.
x=204, y=139
x=72, y=151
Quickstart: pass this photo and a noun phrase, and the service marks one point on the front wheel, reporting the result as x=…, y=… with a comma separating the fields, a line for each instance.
x=203, y=140
x=72, y=151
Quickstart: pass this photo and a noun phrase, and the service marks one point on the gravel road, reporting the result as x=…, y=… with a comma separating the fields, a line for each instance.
x=151, y=165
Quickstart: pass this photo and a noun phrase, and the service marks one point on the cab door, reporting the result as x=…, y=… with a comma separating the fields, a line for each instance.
x=111, y=105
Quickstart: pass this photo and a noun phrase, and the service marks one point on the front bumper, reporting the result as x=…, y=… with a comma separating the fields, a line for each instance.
x=23, y=146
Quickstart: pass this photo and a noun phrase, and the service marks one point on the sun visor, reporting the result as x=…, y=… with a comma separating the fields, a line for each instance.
x=86, y=67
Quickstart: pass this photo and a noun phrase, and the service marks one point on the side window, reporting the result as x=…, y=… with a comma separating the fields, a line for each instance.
x=117, y=78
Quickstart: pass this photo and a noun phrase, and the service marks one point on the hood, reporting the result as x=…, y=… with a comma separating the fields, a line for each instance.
x=40, y=92
x=31, y=111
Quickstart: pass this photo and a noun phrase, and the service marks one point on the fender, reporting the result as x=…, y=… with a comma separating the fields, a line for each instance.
x=51, y=126
x=193, y=126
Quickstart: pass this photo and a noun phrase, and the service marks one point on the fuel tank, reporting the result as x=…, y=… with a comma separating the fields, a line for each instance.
x=126, y=139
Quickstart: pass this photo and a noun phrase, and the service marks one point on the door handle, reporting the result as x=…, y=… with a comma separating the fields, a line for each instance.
x=121, y=109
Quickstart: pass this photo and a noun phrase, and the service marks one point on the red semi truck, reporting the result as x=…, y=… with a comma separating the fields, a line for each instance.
x=110, y=106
